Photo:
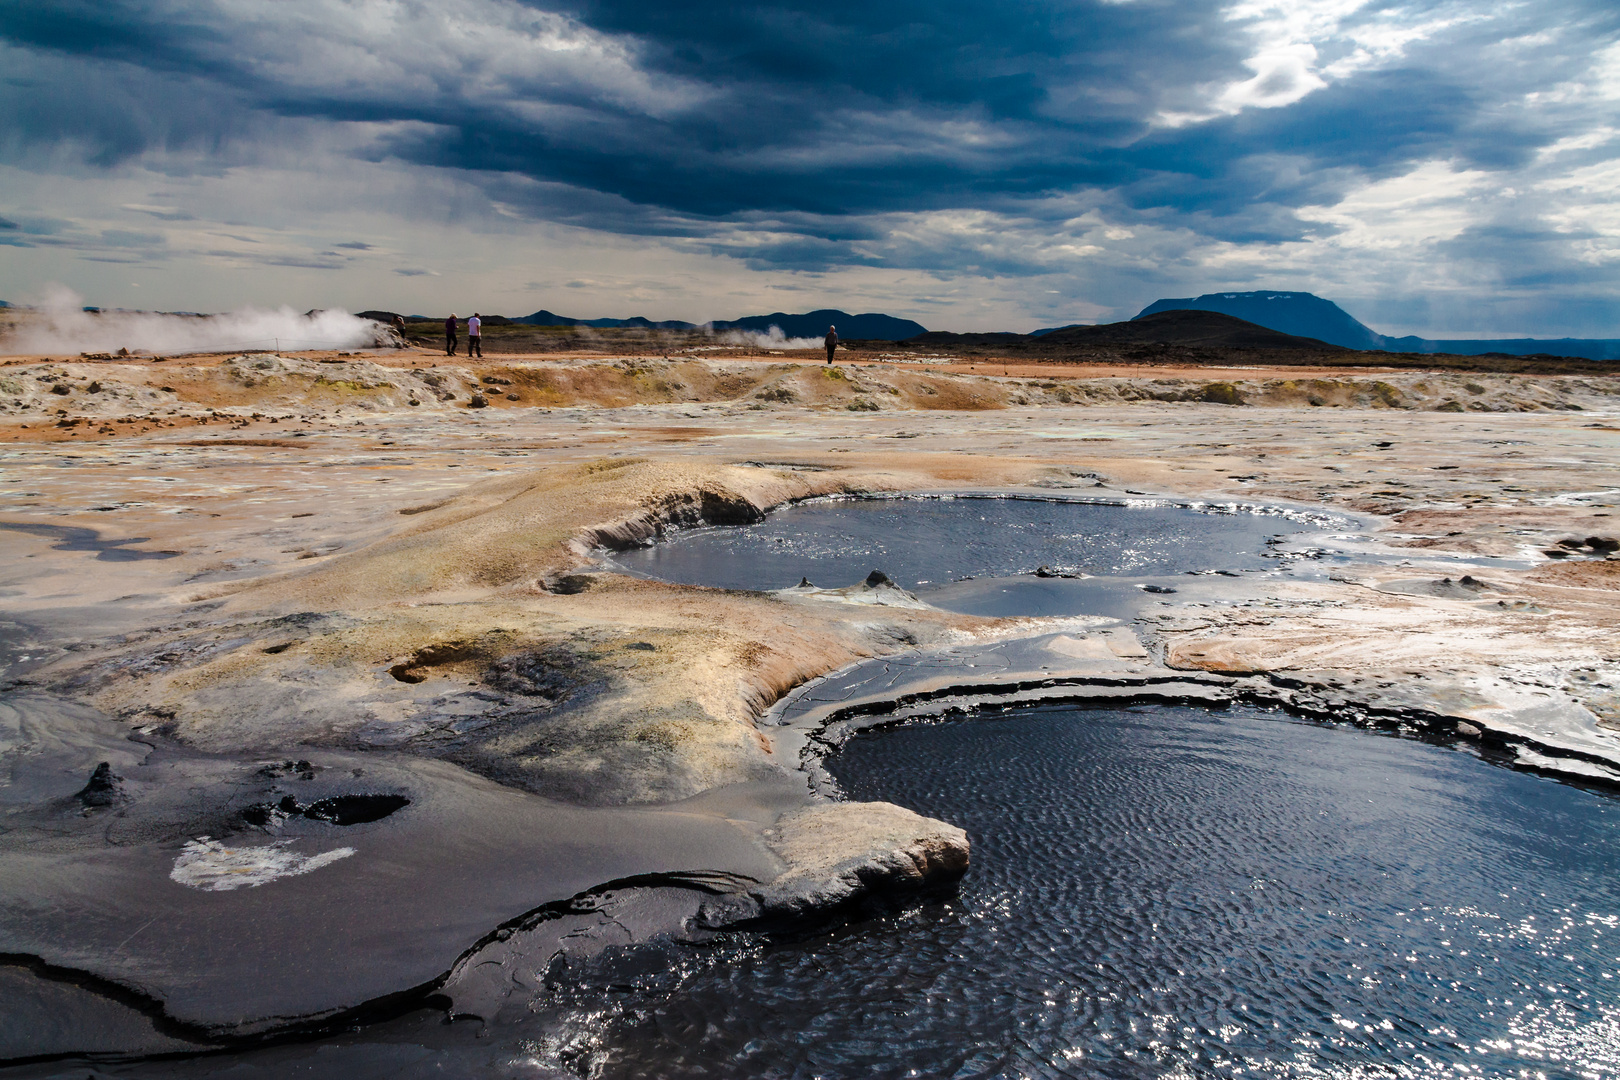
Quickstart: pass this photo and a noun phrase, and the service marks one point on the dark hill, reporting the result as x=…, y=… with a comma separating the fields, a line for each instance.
x=989, y=340
x=868, y=327
x=1300, y=314
x=1184, y=328
x=547, y=318
x=1194, y=329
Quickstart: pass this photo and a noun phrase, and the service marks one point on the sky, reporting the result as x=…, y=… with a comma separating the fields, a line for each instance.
x=1447, y=168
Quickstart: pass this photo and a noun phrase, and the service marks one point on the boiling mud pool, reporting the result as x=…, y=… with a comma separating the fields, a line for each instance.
x=1169, y=892
x=932, y=545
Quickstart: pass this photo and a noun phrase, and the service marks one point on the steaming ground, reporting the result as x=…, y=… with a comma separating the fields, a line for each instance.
x=61, y=325
x=324, y=577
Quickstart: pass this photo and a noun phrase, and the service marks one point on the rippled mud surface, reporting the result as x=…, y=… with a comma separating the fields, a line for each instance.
x=981, y=555
x=1173, y=892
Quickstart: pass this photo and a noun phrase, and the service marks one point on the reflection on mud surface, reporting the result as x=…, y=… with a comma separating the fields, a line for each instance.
x=1169, y=892
x=1155, y=892
x=930, y=542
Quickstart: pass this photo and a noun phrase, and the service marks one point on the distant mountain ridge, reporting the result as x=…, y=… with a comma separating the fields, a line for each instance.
x=1184, y=327
x=1307, y=315
x=547, y=318
x=868, y=327
x=871, y=326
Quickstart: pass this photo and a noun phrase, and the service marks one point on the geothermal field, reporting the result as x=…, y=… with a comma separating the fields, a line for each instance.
x=641, y=705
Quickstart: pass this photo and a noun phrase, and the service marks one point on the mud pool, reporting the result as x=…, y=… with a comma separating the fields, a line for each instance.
x=1171, y=891
x=1158, y=891
x=1154, y=891
x=984, y=555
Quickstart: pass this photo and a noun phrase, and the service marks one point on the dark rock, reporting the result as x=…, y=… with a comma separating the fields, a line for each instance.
x=804, y=583
x=478, y=401
x=878, y=578
x=355, y=809
x=553, y=673
x=1157, y=589
x=1603, y=543
x=105, y=787
x=303, y=770
x=568, y=584
x=61, y=388
x=335, y=810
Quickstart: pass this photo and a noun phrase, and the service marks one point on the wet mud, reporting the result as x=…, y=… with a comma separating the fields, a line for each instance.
x=391, y=736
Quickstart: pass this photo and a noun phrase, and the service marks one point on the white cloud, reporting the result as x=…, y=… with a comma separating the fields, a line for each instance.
x=1301, y=46
x=495, y=54
x=1282, y=75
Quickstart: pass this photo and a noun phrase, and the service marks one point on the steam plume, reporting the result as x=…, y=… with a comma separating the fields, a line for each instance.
x=60, y=325
x=770, y=339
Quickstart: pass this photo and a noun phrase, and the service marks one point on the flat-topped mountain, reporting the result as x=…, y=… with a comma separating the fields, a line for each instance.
x=1301, y=314
x=1189, y=329
x=1307, y=315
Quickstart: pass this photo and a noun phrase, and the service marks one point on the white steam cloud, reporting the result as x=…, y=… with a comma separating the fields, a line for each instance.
x=770, y=339
x=61, y=325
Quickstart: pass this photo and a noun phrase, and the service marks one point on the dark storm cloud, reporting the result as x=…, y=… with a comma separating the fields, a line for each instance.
x=799, y=136
x=836, y=108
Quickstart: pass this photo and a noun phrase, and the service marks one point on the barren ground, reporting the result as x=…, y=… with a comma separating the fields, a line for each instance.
x=239, y=559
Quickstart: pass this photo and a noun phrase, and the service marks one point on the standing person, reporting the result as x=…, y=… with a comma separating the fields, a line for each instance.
x=475, y=337
x=831, y=341
x=450, y=335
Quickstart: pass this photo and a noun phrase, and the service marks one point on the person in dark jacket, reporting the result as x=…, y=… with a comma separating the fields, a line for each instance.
x=450, y=335
x=831, y=341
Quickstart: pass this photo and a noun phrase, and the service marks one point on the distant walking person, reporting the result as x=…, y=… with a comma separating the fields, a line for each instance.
x=450, y=335
x=475, y=337
x=831, y=341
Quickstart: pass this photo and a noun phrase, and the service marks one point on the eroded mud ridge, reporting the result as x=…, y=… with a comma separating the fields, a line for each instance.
x=308, y=732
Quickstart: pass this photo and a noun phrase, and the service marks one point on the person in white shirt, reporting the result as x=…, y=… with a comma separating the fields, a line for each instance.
x=475, y=336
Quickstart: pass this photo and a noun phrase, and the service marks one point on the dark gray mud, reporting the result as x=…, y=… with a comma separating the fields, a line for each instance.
x=984, y=555
x=1150, y=890
x=183, y=899
x=1156, y=892
x=70, y=538
x=1175, y=892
